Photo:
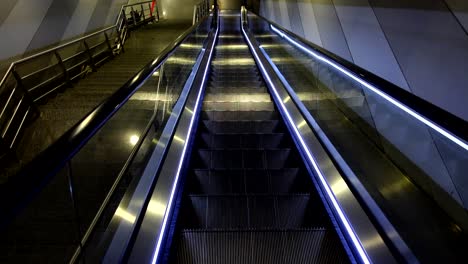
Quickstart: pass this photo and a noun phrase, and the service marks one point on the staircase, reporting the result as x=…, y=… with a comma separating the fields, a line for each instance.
x=247, y=197
x=70, y=105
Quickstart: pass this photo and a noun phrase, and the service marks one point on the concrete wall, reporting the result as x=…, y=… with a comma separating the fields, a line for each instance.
x=420, y=45
x=27, y=25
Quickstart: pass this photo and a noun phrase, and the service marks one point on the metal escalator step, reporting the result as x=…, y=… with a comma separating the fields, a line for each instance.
x=240, y=126
x=238, y=106
x=250, y=211
x=251, y=181
x=239, y=116
x=259, y=246
x=229, y=140
x=244, y=158
x=237, y=97
x=236, y=90
x=233, y=84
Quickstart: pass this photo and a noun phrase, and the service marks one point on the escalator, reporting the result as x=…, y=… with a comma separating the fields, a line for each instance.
x=247, y=195
x=239, y=144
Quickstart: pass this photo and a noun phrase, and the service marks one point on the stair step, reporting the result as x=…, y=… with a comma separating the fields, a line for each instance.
x=259, y=246
x=236, y=90
x=239, y=115
x=250, y=211
x=229, y=140
x=251, y=181
x=238, y=106
x=229, y=126
x=244, y=158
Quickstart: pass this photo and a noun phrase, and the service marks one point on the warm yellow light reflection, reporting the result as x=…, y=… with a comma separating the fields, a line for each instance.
x=186, y=45
x=301, y=124
x=125, y=215
x=339, y=187
x=156, y=74
x=189, y=110
x=179, y=139
x=267, y=46
x=156, y=208
x=242, y=61
x=265, y=35
x=179, y=60
x=134, y=139
x=232, y=47
x=227, y=36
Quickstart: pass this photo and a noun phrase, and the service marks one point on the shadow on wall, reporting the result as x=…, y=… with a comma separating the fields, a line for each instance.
x=29, y=25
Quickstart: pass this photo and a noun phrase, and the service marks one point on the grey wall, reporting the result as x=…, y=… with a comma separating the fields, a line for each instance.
x=175, y=10
x=420, y=45
x=27, y=25
x=230, y=4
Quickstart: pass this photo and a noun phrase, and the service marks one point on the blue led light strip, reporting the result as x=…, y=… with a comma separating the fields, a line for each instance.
x=387, y=97
x=184, y=152
x=342, y=217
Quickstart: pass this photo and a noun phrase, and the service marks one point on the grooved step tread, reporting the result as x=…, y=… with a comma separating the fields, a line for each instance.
x=259, y=246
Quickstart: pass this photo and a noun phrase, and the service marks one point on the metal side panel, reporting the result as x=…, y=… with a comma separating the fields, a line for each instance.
x=149, y=239
x=135, y=198
x=361, y=235
x=380, y=217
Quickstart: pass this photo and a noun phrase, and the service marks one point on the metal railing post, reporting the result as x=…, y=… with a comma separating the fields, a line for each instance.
x=109, y=46
x=90, y=55
x=124, y=17
x=62, y=66
x=157, y=11
x=194, y=19
x=133, y=16
x=142, y=12
x=119, y=37
x=19, y=81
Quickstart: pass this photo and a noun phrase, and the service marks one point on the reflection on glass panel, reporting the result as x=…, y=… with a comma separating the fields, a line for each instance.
x=405, y=165
x=150, y=107
x=46, y=231
x=82, y=199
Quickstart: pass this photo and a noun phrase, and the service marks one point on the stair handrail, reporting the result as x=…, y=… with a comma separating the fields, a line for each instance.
x=49, y=162
x=121, y=26
x=446, y=123
x=51, y=50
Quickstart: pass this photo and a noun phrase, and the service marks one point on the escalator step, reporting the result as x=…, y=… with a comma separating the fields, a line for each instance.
x=253, y=181
x=259, y=246
x=244, y=158
x=239, y=116
x=251, y=211
x=241, y=126
x=260, y=140
x=238, y=106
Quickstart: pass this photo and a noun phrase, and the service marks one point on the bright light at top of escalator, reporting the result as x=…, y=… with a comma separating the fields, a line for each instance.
x=134, y=139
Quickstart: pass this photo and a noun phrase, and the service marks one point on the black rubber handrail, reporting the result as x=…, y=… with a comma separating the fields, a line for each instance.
x=21, y=188
x=448, y=121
